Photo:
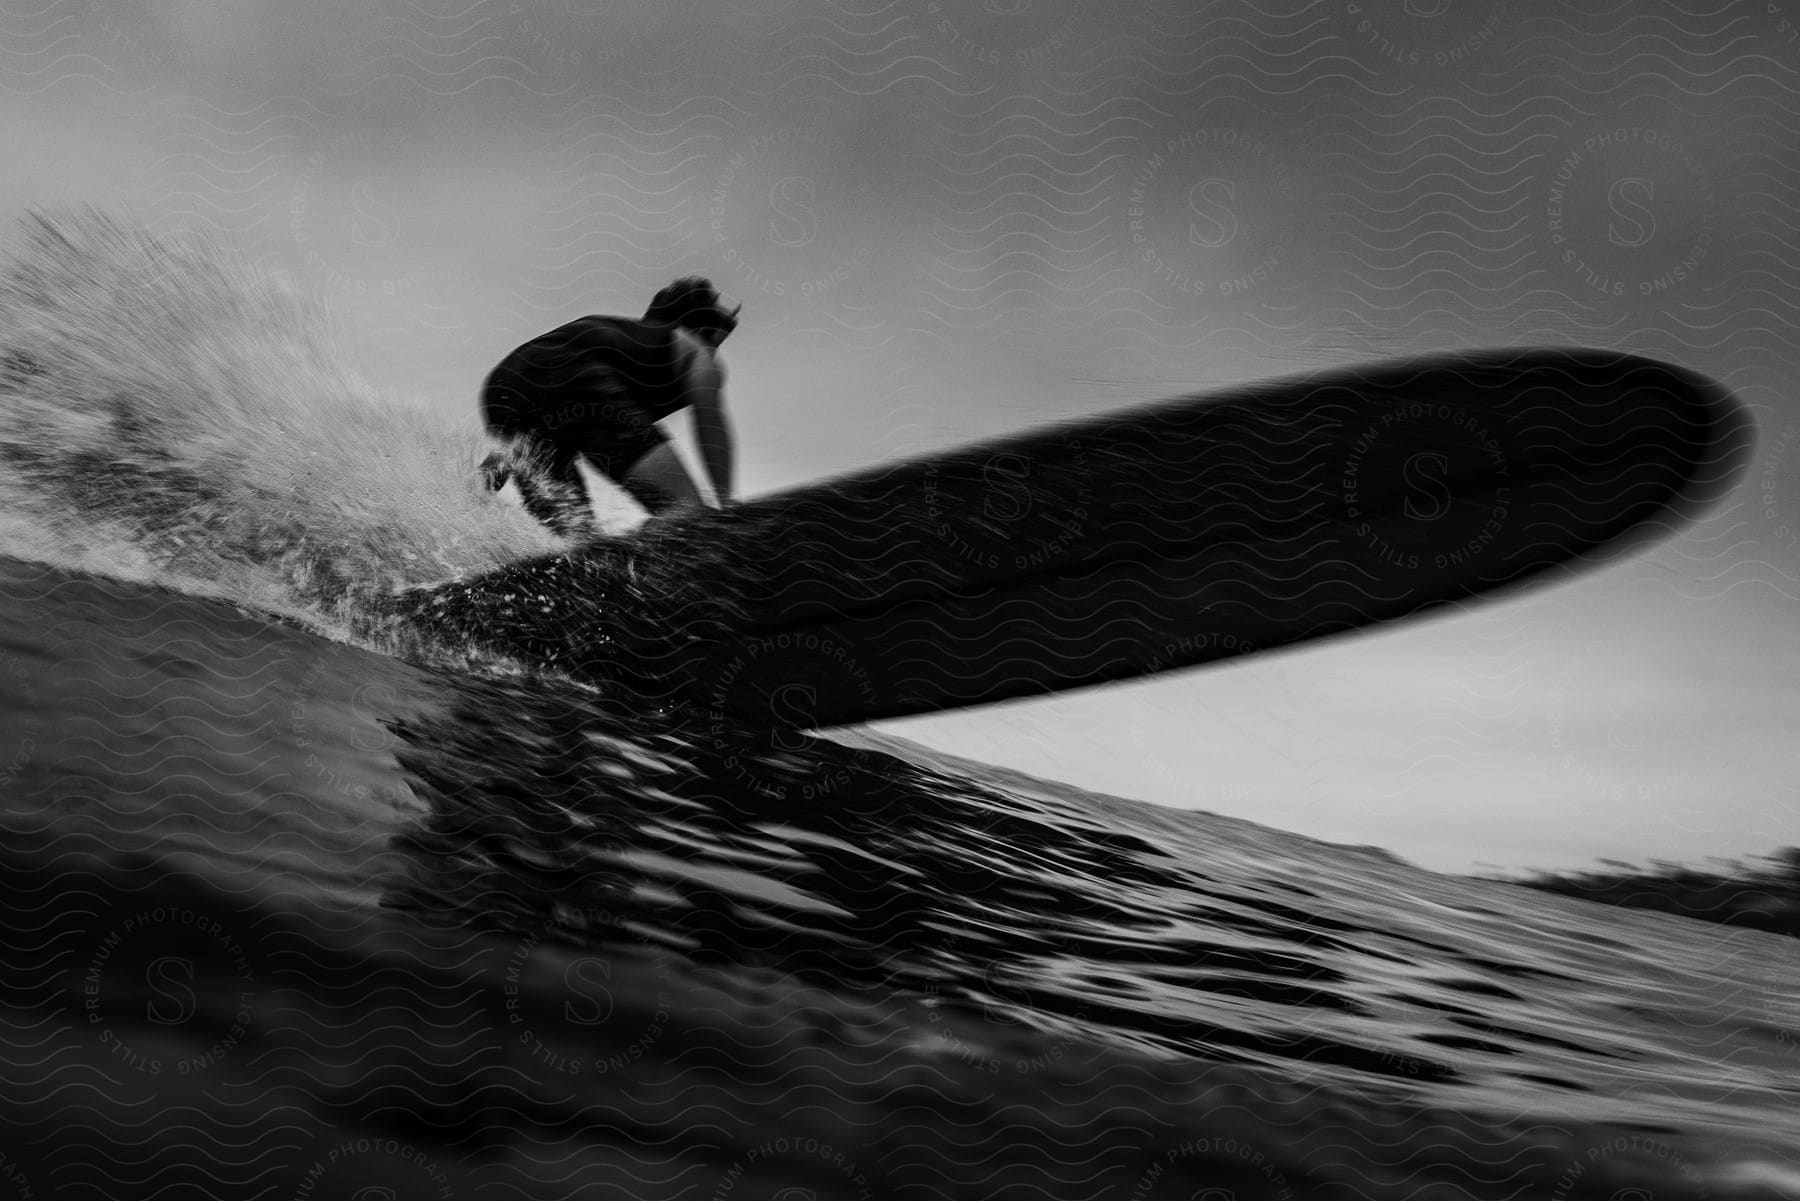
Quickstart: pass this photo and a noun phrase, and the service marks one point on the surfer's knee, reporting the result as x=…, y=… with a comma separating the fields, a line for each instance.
x=659, y=502
x=660, y=483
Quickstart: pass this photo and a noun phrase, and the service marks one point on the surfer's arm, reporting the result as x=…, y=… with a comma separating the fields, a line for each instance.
x=712, y=430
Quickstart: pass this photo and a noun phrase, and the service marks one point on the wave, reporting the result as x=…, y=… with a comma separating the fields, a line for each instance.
x=172, y=412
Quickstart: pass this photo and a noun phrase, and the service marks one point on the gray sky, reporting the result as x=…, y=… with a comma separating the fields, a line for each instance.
x=953, y=219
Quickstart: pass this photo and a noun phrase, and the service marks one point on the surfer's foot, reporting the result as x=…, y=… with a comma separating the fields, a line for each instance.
x=495, y=471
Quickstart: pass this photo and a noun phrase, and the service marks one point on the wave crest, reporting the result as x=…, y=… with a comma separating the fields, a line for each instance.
x=173, y=412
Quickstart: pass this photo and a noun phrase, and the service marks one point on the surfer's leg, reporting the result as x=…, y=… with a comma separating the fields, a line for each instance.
x=553, y=491
x=660, y=483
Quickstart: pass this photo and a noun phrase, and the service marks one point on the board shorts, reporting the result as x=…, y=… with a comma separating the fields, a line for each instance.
x=549, y=424
x=588, y=413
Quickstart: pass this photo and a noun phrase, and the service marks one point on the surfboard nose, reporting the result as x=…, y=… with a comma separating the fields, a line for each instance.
x=1698, y=431
x=1598, y=451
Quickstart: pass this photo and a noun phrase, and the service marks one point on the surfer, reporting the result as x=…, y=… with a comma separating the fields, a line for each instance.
x=596, y=387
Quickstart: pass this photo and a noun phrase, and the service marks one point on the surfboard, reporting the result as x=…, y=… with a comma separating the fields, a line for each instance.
x=1150, y=539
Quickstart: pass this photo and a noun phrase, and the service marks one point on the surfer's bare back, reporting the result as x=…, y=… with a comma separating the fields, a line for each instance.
x=597, y=387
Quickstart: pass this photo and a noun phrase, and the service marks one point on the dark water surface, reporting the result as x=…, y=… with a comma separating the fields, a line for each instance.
x=290, y=919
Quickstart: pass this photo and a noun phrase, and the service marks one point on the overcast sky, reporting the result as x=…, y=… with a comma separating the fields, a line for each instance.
x=949, y=219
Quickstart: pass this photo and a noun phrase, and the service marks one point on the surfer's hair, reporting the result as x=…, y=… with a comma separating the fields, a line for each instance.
x=694, y=303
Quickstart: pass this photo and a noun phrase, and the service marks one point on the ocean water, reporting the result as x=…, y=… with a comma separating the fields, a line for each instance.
x=287, y=917
x=290, y=915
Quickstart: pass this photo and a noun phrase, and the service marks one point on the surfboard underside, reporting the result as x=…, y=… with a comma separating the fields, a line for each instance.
x=1155, y=538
